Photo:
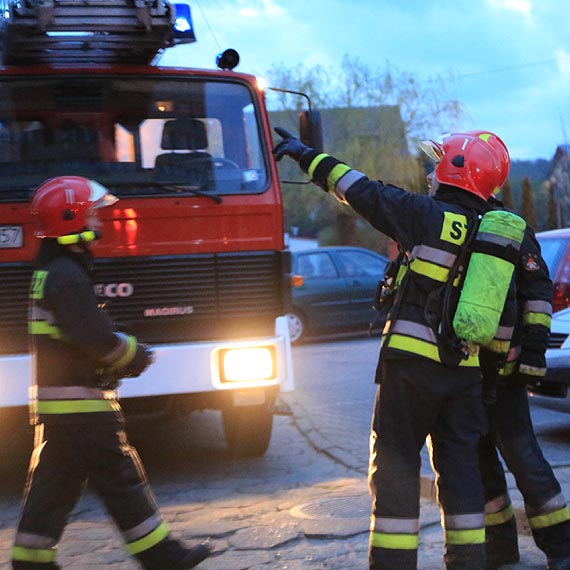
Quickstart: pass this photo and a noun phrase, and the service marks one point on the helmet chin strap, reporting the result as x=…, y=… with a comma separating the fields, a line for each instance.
x=82, y=237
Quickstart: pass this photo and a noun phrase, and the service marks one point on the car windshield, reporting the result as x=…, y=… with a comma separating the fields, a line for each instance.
x=139, y=136
x=552, y=250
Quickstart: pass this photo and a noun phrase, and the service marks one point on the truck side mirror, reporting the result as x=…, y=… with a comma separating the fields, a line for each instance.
x=311, y=129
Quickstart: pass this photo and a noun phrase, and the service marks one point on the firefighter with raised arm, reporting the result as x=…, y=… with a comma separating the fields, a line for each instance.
x=429, y=381
x=79, y=427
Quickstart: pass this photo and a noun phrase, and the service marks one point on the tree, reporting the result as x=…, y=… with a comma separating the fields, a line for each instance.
x=528, y=210
x=507, y=195
x=366, y=144
x=552, y=216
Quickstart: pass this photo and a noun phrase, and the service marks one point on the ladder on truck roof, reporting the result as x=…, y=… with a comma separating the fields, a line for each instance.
x=87, y=31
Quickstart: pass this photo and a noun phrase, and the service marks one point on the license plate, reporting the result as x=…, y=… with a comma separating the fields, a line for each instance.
x=11, y=236
x=248, y=397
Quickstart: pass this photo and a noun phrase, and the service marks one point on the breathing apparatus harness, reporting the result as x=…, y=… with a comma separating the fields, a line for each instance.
x=442, y=303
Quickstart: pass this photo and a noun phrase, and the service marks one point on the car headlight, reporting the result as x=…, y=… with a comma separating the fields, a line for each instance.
x=247, y=364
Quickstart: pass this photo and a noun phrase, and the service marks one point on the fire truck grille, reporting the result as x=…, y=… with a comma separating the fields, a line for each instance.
x=167, y=298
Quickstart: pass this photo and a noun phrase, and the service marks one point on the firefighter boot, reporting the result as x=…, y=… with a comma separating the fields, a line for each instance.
x=170, y=554
x=502, y=544
x=464, y=557
x=558, y=563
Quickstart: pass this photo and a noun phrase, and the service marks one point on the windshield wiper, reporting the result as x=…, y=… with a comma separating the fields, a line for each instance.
x=192, y=190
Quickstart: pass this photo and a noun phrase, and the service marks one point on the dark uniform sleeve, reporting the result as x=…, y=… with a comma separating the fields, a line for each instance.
x=393, y=211
x=84, y=325
x=534, y=291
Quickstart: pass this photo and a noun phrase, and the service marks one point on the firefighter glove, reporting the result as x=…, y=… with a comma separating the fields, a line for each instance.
x=143, y=358
x=289, y=146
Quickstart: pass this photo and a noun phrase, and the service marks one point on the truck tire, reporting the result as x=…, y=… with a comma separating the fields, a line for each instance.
x=247, y=429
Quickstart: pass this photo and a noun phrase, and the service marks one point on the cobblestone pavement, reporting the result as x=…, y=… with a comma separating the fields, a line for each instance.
x=304, y=505
x=293, y=509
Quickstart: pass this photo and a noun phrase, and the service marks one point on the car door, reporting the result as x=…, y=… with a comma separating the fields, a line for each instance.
x=363, y=270
x=324, y=297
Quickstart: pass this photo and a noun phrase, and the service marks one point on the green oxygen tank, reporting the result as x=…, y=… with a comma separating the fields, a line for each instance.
x=494, y=253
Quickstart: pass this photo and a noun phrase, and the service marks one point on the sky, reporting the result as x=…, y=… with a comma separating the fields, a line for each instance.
x=506, y=61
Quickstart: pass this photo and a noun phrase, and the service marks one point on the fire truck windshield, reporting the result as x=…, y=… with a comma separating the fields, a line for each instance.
x=138, y=135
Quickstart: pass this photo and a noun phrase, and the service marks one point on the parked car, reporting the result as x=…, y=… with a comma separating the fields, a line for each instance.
x=554, y=390
x=555, y=247
x=333, y=289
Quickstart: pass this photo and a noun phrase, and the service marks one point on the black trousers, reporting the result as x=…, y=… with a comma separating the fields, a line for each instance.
x=511, y=430
x=64, y=459
x=419, y=399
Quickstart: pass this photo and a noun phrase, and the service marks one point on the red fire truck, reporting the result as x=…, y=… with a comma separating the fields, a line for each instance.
x=192, y=259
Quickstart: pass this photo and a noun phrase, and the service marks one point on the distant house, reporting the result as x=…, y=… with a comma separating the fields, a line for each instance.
x=559, y=177
x=378, y=126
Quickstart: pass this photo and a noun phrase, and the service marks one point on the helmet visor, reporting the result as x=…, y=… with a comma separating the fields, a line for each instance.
x=100, y=196
x=433, y=150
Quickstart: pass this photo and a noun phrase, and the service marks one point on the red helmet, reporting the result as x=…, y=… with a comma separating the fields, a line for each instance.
x=61, y=205
x=500, y=150
x=477, y=161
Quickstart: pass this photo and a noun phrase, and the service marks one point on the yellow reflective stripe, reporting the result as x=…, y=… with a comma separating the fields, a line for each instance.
x=423, y=348
x=41, y=327
x=72, y=239
x=38, y=284
x=76, y=406
x=543, y=521
x=500, y=346
x=315, y=162
x=129, y=354
x=471, y=536
x=400, y=275
x=39, y=555
x=508, y=369
x=335, y=175
x=430, y=270
x=394, y=541
x=501, y=517
x=152, y=538
x=537, y=319
x=414, y=345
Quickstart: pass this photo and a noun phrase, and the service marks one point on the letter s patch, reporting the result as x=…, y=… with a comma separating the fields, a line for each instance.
x=454, y=228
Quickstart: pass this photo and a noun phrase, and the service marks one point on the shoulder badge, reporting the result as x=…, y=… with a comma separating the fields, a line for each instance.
x=530, y=261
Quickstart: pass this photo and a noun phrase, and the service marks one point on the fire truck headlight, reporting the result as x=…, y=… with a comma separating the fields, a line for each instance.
x=247, y=364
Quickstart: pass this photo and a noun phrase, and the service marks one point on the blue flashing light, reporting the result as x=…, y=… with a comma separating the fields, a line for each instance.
x=183, y=29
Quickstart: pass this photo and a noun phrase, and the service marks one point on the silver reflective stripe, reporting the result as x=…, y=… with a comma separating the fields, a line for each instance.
x=38, y=314
x=499, y=240
x=74, y=393
x=118, y=351
x=538, y=307
x=532, y=370
x=416, y=330
x=29, y=540
x=557, y=502
x=394, y=526
x=461, y=522
x=434, y=255
x=498, y=504
x=143, y=528
x=346, y=182
x=504, y=333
